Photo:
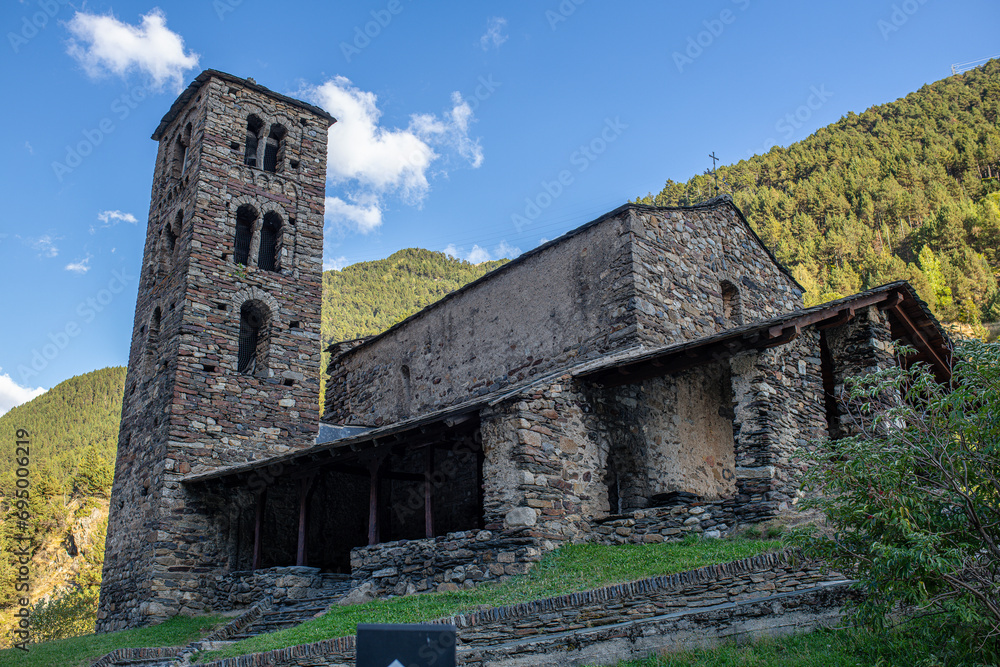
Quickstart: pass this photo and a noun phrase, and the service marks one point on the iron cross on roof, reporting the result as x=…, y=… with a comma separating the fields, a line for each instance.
x=714, y=173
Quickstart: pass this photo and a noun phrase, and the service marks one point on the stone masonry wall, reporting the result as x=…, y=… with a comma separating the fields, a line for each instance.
x=644, y=276
x=186, y=407
x=779, y=412
x=567, y=302
x=859, y=347
x=445, y=563
x=670, y=433
x=680, y=260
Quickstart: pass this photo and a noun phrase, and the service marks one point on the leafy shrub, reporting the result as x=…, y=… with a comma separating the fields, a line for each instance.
x=913, y=500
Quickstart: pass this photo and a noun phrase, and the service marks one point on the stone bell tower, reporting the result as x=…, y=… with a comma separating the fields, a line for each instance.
x=225, y=353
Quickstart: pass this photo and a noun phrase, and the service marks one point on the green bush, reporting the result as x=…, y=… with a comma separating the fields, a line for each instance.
x=70, y=614
x=913, y=499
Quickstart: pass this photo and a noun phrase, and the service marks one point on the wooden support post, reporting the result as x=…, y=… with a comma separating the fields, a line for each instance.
x=258, y=529
x=374, y=469
x=305, y=484
x=428, y=492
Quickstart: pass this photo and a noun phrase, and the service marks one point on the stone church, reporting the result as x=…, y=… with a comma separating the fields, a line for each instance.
x=648, y=375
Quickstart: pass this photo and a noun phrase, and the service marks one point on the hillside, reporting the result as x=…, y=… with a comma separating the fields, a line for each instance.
x=73, y=434
x=369, y=297
x=904, y=190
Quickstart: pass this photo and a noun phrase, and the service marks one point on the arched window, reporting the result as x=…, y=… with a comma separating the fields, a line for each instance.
x=270, y=233
x=185, y=140
x=245, y=217
x=168, y=241
x=274, y=149
x=255, y=329
x=179, y=155
x=732, y=309
x=254, y=127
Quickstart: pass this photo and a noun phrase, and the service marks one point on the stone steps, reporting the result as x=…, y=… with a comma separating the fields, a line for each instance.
x=292, y=613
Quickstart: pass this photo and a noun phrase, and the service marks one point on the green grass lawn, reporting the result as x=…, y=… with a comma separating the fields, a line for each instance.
x=80, y=651
x=925, y=642
x=570, y=569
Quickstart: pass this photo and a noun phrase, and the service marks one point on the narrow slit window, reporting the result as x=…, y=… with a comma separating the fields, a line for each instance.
x=245, y=217
x=270, y=233
x=732, y=309
x=153, y=339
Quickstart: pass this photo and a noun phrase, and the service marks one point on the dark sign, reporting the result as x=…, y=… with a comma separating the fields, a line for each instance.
x=406, y=645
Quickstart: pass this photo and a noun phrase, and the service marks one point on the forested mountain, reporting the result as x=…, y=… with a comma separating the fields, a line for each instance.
x=904, y=190
x=369, y=297
x=72, y=434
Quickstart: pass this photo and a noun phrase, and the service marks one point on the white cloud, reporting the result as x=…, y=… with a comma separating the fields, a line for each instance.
x=102, y=44
x=371, y=163
x=114, y=217
x=478, y=254
x=80, y=266
x=506, y=250
x=13, y=394
x=357, y=217
x=44, y=245
x=335, y=264
x=493, y=37
x=29, y=148
x=452, y=130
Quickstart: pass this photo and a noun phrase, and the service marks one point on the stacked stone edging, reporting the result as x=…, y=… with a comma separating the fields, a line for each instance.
x=484, y=628
x=123, y=656
x=782, y=613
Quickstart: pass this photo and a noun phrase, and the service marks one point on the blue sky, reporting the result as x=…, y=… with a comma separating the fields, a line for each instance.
x=477, y=128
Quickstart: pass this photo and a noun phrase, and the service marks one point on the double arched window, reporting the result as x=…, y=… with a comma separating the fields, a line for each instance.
x=273, y=157
x=268, y=241
x=255, y=334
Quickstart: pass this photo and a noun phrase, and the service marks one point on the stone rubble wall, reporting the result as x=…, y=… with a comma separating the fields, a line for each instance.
x=780, y=412
x=445, y=563
x=711, y=519
x=681, y=258
x=857, y=348
x=645, y=276
x=747, y=597
x=237, y=590
x=565, y=303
